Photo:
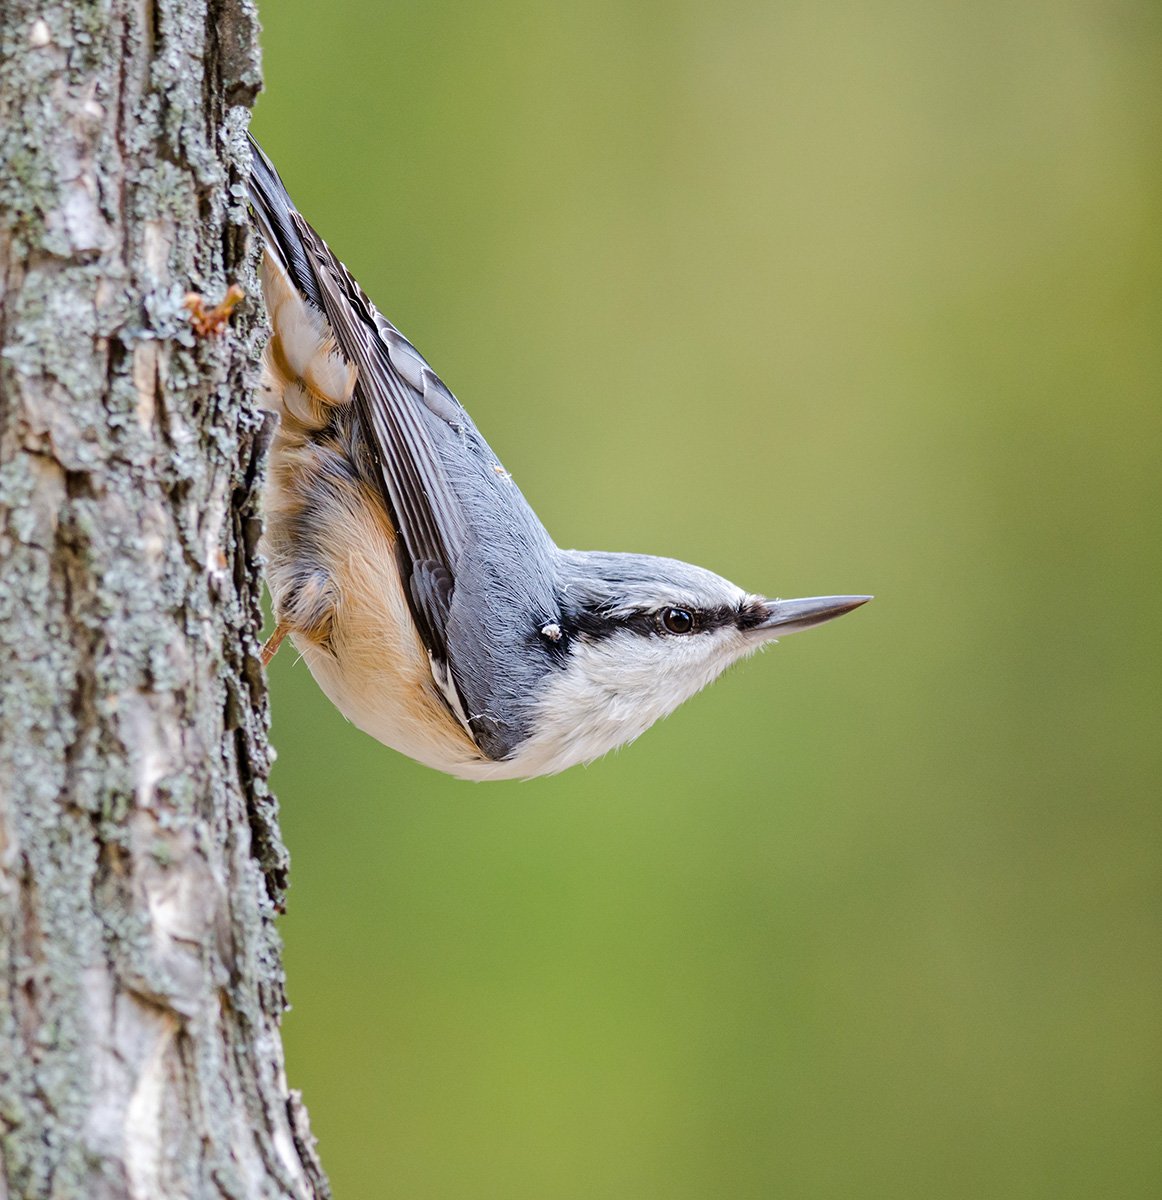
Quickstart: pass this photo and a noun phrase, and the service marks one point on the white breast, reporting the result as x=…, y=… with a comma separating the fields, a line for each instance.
x=613, y=689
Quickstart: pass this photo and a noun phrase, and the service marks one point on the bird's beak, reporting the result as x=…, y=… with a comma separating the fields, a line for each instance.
x=789, y=616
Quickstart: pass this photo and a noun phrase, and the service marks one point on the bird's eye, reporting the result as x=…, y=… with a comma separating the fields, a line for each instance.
x=677, y=620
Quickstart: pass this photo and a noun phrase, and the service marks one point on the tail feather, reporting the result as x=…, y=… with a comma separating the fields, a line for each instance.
x=272, y=210
x=306, y=374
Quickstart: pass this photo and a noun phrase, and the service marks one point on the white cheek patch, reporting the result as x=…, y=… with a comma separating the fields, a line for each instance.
x=612, y=690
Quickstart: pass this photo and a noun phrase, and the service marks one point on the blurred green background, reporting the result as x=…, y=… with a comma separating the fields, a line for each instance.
x=828, y=298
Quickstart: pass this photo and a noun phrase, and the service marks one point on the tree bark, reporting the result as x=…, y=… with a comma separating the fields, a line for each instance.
x=141, y=866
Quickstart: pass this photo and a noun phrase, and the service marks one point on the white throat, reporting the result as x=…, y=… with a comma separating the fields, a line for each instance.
x=613, y=689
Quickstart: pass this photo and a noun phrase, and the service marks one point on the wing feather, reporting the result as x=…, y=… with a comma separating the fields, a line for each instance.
x=391, y=407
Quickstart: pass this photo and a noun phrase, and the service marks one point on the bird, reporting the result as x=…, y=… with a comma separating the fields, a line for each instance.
x=428, y=600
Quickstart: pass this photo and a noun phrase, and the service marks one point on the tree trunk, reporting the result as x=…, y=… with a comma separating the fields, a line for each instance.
x=140, y=861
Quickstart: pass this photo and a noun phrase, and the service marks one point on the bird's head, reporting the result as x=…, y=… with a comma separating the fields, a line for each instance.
x=638, y=635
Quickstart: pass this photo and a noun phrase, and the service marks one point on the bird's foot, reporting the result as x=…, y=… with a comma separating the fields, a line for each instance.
x=271, y=647
x=212, y=320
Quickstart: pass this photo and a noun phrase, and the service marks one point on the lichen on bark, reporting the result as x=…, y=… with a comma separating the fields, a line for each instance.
x=141, y=866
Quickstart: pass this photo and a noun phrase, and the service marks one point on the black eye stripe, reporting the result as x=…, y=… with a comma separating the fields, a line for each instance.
x=600, y=623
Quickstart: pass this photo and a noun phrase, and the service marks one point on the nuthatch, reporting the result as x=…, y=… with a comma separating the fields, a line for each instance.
x=428, y=600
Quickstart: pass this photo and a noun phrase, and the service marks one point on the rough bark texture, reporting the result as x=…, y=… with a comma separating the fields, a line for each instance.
x=140, y=861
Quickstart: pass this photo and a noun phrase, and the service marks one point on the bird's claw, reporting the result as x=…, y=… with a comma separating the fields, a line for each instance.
x=212, y=320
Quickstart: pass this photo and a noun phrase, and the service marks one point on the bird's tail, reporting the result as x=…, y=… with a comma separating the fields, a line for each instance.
x=305, y=373
x=276, y=217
